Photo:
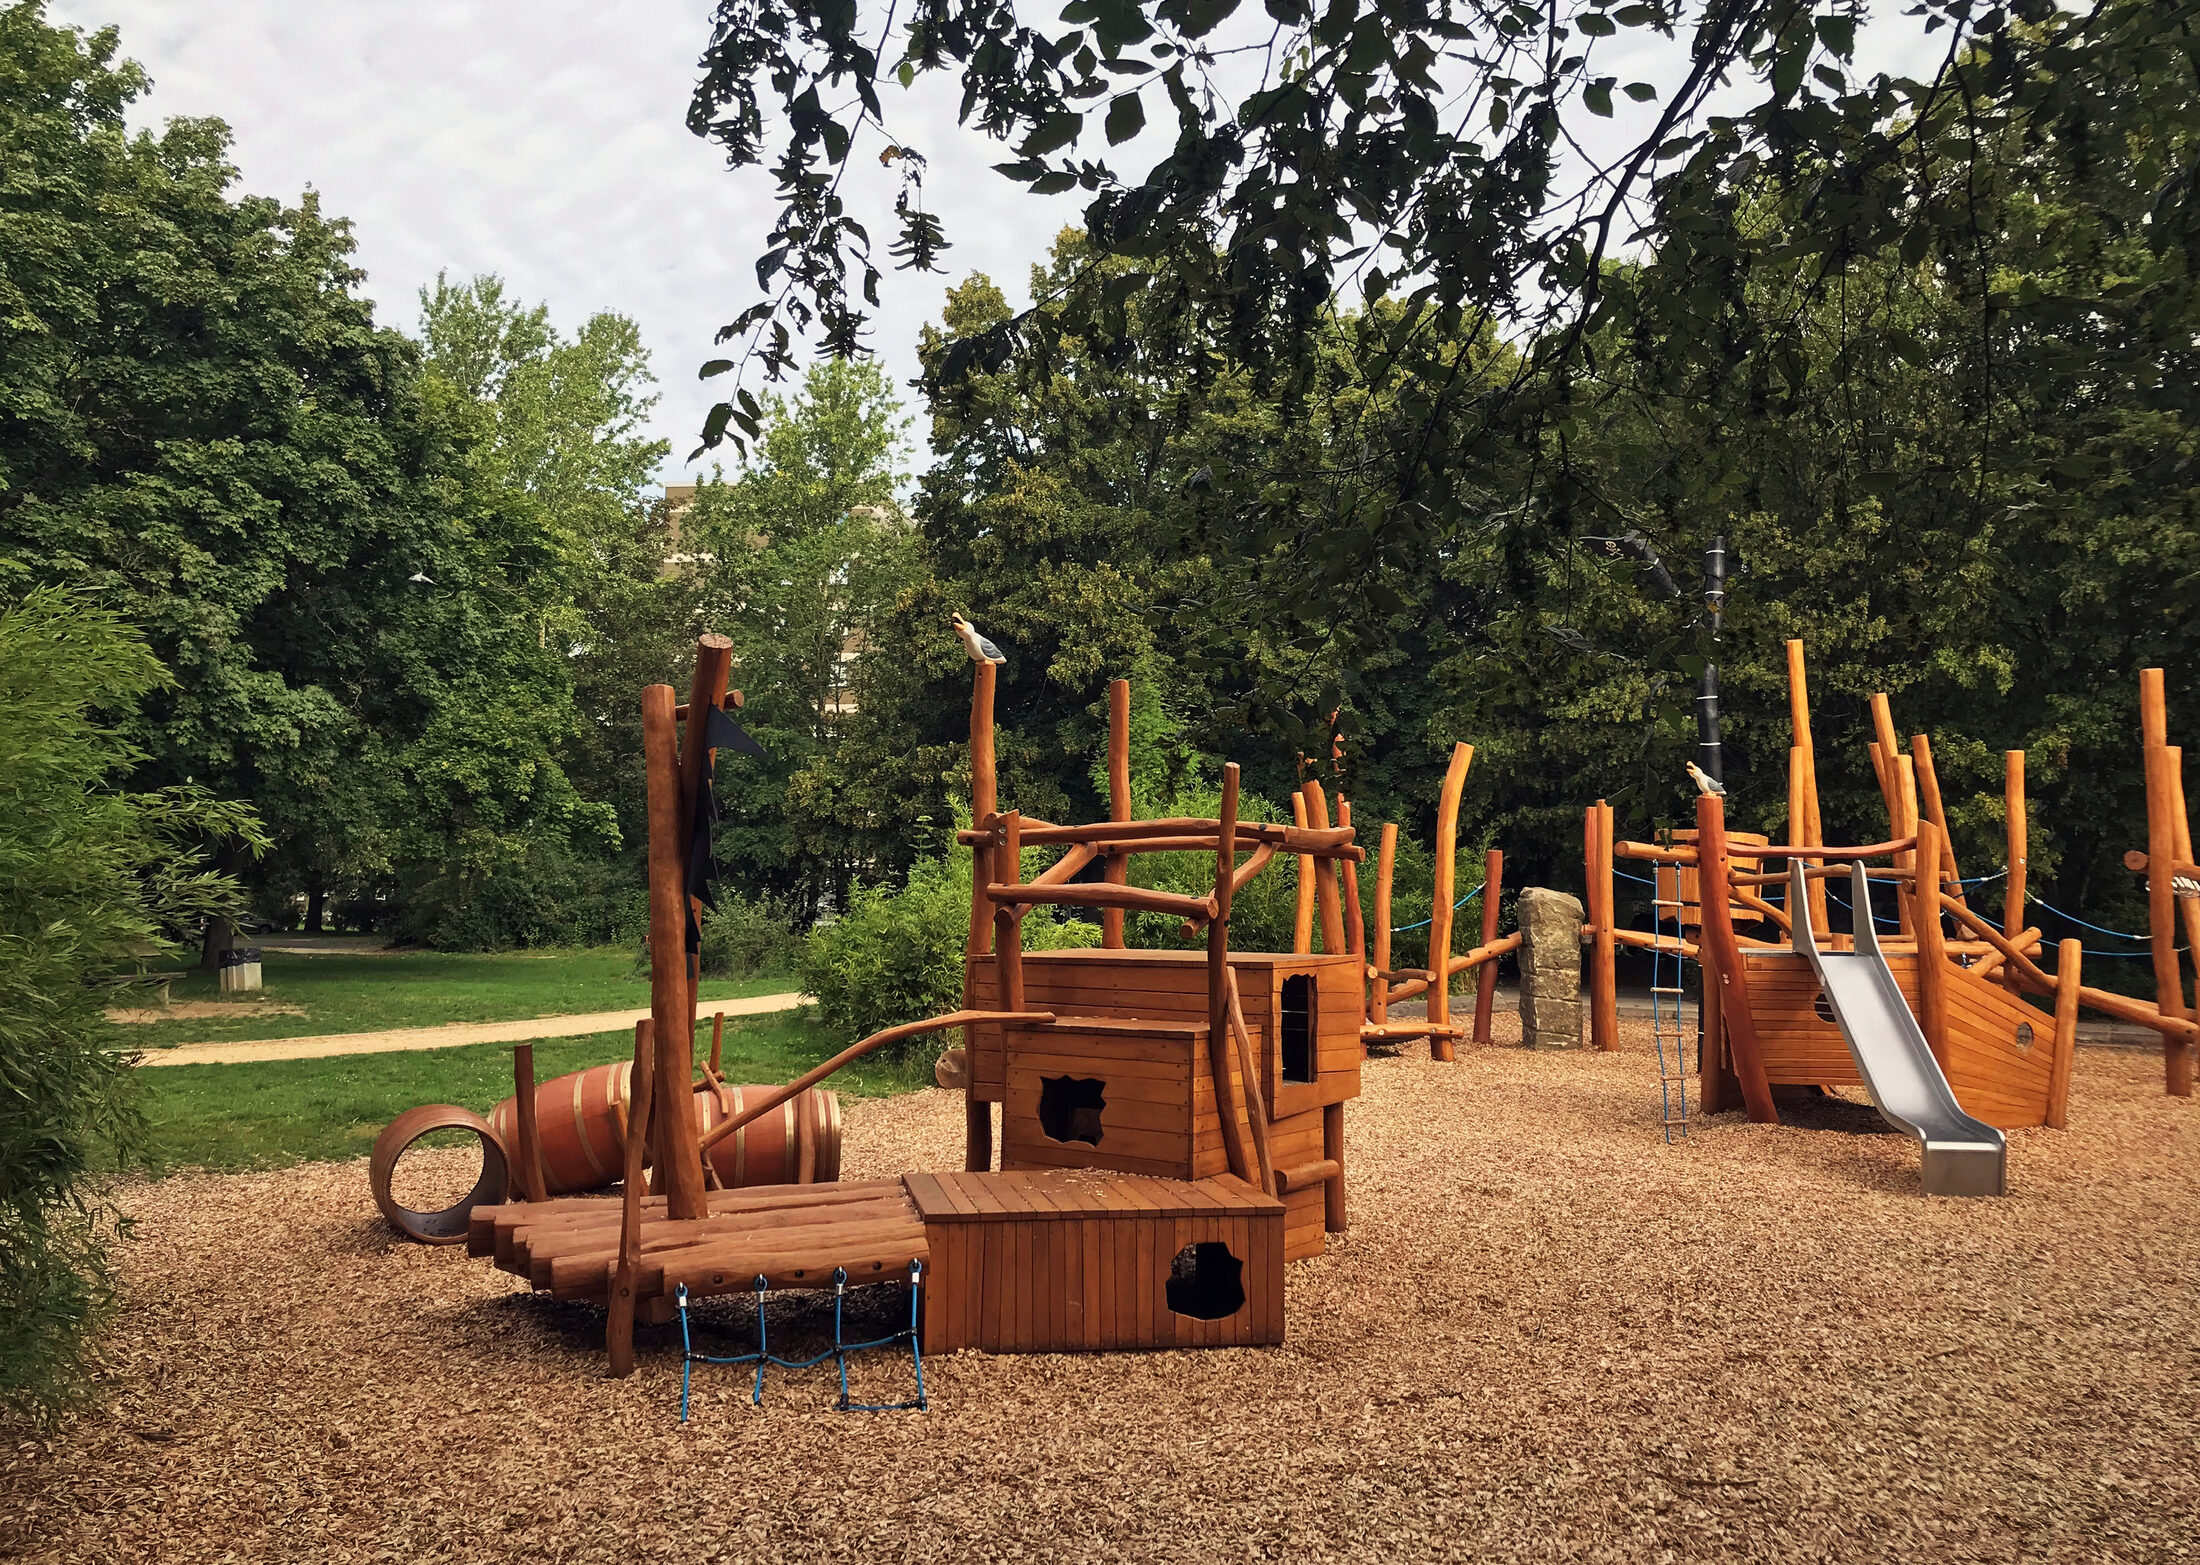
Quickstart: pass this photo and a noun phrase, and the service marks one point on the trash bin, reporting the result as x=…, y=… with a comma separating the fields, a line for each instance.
x=240, y=969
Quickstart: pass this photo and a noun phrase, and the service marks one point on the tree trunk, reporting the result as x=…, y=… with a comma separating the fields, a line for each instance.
x=316, y=903
x=220, y=933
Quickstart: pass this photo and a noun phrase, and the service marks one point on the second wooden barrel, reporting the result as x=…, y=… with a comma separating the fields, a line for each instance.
x=582, y=1121
x=797, y=1143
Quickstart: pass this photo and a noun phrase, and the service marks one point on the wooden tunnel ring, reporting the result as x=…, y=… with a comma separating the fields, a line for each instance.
x=449, y=1225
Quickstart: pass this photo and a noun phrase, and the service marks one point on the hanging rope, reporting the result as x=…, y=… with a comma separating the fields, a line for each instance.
x=1399, y=929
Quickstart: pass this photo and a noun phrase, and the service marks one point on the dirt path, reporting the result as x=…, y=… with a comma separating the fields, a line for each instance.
x=451, y=1035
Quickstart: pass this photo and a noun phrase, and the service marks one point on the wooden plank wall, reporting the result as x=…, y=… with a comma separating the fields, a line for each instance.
x=1993, y=1078
x=1996, y=1078
x=1043, y=1263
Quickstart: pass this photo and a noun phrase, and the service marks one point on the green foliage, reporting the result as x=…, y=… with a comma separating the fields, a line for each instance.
x=799, y=556
x=896, y=955
x=748, y=937
x=551, y=897
x=90, y=875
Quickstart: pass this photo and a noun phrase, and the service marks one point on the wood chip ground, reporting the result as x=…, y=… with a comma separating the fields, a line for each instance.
x=1548, y=1336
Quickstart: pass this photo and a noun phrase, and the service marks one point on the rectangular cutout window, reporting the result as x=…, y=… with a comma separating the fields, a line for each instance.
x=1298, y=1028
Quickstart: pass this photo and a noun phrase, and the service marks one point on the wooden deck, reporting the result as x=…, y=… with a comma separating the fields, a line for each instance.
x=793, y=1236
x=1042, y=1262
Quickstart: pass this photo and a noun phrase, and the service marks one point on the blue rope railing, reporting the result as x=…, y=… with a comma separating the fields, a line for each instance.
x=1399, y=929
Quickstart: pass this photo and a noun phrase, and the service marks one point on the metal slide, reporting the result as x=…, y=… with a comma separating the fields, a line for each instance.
x=1962, y=1156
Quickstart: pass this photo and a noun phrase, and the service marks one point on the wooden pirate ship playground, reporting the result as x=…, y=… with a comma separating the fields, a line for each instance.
x=1151, y=1136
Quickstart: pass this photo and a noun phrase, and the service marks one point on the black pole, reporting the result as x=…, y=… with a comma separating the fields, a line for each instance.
x=1707, y=693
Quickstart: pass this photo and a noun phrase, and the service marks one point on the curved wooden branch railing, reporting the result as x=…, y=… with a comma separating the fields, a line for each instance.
x=848, y=1056
x=1197, y=835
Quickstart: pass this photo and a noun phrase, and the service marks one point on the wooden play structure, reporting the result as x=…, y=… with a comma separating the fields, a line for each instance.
x=1171, y=1130
x=1765, y=1024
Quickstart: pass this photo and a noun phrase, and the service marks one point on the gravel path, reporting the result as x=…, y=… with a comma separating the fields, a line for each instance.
x=450, y=1035
x=1547, y=1336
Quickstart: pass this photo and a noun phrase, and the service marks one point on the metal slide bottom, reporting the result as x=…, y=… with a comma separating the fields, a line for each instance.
x=1961, y=1155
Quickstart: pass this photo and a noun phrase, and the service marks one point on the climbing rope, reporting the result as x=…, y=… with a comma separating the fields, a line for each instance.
x=840, y=1350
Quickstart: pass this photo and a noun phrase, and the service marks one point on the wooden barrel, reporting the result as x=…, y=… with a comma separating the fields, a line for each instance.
x=797, y=1143
x=582, y=1121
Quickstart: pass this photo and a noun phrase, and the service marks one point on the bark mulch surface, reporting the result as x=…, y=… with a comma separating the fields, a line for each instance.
x=1547, y=1336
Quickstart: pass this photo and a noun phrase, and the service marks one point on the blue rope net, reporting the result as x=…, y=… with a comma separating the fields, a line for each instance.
x=839, y=1351
x=1399, y=929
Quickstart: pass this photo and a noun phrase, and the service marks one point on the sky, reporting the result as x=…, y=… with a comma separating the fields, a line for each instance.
x=547, y=143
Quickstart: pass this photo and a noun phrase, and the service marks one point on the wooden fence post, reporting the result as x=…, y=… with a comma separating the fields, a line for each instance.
x=1485, y=991
x=1447, y=891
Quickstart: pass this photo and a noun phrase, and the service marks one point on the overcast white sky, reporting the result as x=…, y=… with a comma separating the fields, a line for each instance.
x=547, y=142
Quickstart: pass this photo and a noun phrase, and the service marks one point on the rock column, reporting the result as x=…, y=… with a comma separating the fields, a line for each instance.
x=1550, y=969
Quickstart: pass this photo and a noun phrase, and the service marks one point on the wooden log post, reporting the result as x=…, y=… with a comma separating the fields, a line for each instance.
x=1718, y=1089
x=1932, y=954
x=1447, y=892
x=2169, y=978
x=1326, y=899
x=2018, y=827
x=2180, y=825
x=1333, y=1152
x=1256, y=1099
x=678, y=1173
x=1904, y=772
x=1302, y=920
x=984, y=803
x=1348, y=877
x=1930, y=807
x=1485, y=988
x=641, y=1101
x=1386, y=862
x=2067, y=984
x=1218, y=981
x=717, y=1040
x=1118, y=869
x=1604, y=950
x=1008, y=925
x=532, y=1181
x=1812, y=829
x=1715, y=866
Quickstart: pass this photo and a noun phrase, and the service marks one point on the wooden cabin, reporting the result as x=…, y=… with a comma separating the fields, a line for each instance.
x=1120, y=1079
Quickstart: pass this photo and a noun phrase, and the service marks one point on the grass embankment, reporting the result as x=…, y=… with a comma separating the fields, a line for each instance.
x=375, y=991
x=273, y=1114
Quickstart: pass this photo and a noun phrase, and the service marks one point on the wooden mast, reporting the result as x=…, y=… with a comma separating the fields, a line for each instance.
x=984, y=802
x=678, y=1171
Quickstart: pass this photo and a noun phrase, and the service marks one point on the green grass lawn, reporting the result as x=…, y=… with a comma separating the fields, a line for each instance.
x=273, y=1114
x=369, y=992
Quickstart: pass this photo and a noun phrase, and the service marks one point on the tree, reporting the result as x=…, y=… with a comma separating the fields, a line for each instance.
x=91, y=875
x=803, y=552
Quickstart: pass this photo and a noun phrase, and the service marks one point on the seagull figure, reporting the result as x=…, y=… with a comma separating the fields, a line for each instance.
x=420, y=579
x=980, y=649
x=1706, y=783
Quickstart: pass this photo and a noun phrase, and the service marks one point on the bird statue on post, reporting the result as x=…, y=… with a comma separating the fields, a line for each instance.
x=1706, y=783
x=980, y=649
